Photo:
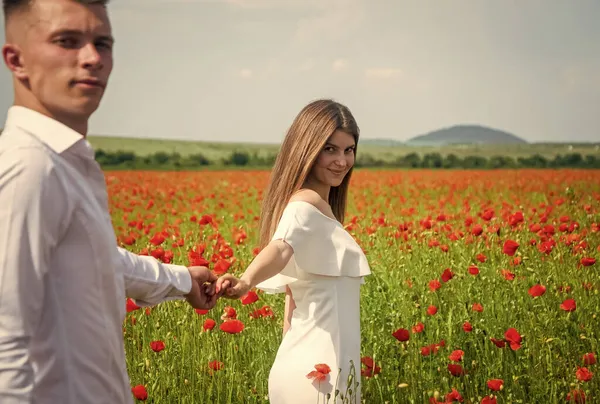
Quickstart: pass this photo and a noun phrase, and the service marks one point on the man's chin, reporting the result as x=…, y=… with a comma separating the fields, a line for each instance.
x=87, y=107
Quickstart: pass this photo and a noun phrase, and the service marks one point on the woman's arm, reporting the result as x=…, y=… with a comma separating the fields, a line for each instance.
x=268, y=263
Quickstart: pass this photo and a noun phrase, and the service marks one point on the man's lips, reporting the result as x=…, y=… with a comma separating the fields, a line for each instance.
x=90, y=82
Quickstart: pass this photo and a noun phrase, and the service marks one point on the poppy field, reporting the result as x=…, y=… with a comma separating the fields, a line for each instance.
x=485, y=285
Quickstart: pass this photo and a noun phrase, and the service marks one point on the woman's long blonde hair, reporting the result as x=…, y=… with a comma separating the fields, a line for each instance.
x=305, y=139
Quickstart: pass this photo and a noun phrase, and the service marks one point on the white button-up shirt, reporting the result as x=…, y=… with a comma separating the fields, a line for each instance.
x=63, y=279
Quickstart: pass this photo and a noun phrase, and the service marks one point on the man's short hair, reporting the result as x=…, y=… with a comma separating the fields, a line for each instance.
x=10, y=6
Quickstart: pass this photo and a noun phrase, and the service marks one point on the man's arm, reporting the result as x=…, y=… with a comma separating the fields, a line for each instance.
x=31, y=213
x=148, y=281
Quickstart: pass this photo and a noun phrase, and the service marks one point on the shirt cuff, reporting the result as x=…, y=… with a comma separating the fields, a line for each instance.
x=182, y=281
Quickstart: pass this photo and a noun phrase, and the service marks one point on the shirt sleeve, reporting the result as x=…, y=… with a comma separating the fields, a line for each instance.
x=32, y=217
x=148, y=281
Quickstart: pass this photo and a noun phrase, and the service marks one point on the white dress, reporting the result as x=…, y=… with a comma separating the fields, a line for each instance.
x=324, y=274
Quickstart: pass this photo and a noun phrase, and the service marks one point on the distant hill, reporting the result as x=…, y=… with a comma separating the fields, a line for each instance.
x=465, y=134
x=381, y=142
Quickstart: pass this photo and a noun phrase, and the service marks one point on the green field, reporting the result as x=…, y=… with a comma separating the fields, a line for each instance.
x=484, y=285
x=216, y=150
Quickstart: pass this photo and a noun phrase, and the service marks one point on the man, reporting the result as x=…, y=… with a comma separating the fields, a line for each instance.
x=63, y=280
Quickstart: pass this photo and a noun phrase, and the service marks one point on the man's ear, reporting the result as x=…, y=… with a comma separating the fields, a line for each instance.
x=13, y=58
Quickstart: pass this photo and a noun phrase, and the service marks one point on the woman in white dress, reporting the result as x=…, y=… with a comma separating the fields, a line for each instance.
x=308, y=255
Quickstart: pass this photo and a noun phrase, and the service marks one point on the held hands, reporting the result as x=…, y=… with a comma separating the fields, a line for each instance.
x=207, y=288
x=232, y=288
x=203, y=294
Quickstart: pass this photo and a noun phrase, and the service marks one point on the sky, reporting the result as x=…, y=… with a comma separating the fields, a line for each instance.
x=241, y=70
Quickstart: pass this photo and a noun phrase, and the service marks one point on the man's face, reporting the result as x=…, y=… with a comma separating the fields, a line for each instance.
x=66, y=55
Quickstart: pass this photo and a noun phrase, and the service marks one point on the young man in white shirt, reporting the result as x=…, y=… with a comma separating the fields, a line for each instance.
x=63, y=279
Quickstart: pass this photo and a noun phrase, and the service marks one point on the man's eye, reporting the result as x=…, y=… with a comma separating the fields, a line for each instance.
x=104, y=45
x=67, y=42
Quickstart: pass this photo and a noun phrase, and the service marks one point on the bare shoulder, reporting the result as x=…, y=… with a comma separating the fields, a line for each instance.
x=310, y=196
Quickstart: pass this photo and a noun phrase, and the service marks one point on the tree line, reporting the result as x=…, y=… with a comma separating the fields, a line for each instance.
x=163, y=160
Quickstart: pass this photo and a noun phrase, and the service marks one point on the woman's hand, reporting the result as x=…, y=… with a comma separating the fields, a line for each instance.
x=232, y=288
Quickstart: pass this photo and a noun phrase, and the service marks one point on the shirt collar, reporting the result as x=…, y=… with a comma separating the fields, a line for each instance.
x=52, y=133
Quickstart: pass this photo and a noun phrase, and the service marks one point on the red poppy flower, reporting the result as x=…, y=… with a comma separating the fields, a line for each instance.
x=434, y=285
x=476, y=230
x=417, y=328
x=589, y=358
x=229, y=313
x=577, y=396
x=495, y=384
x=510, y=247
x=453, y=396
x=401, y=334
x=467, y=327
x=209, y=324
x=583, y=374
x=456, y=370
x=139, y=392
x=500, y=343
x=157, y=239
x=568, y=305
x=473, y=270
x=249, y=298
x=215, y=365
x=588, y=261
x=488, y=400
x=131, y=306
x=157, y=346
x=232, y=326
x=196, y=259
x=201, y=312
x=513, y=337
x=477, y=307
x=221, y=266
x=320, y=373
x=537, y=290
x=371, y=369
x=456, y=356
x=481, y=258
x=447, y=275
x=431, y=310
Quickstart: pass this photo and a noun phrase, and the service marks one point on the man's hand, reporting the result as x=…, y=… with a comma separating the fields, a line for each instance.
x=202, y=295
x=231, y=287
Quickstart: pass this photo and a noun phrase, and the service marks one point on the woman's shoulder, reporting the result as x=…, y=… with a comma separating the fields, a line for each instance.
x=310, y=197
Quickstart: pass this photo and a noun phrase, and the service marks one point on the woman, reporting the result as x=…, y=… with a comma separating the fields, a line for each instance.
x=307, y=253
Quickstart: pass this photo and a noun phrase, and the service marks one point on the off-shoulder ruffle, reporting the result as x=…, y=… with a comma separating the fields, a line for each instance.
x=321, y=247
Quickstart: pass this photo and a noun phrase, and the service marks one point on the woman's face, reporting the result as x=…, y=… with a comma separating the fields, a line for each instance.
x=335, y=160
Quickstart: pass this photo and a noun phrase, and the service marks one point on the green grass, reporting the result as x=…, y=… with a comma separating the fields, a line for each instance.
x=216, y=150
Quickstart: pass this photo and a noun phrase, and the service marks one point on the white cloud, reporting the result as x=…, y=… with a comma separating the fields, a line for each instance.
x=339, y=65
x=383, y=73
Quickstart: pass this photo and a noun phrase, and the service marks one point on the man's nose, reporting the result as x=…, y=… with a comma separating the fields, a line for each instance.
x=90, y=57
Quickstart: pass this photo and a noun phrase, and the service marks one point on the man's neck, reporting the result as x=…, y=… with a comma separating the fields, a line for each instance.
x=78, y=124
